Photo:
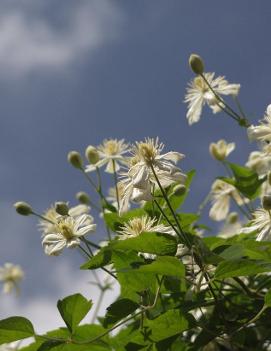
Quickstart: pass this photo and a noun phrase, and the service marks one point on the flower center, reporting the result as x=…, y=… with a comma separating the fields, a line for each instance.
x=66, y=230
x=111, y=147
x=200, y=84
x=147, y=152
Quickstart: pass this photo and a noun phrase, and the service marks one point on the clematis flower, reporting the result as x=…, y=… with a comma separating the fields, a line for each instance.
x=261, y=223
x=231, y=226
x=198, y=94
x=11, y=275
x=262, y=132
x=139, y=181
x=138, y=225
x=49, y=225
x=221, y=149
x=221, y=194
x=67, y=233
x=110, y=151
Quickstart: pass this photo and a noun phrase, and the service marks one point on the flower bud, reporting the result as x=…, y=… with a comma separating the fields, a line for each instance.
x=220, y=150
x=233, y=218
x=75, y=159
x=179, y=189
x=62, y=208
x=92, y=154
x=83, y=198
x=266, y=202
x=196, y=64
x=23, y=208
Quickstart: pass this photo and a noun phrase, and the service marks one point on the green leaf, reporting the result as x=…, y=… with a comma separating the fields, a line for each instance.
x=246, y=180
x=119, y=310
x=132, y=284
x=241, y=267
x=165, y=265
x=153, y=243
x=73, y=309
x=168, y=324
x=267, y=298
x=15, y=328
x=101, y=259
x=186, y=219
x=51, y=344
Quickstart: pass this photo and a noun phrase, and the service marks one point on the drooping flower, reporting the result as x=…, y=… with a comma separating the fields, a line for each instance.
x=111, y=153
x=261, y=223
x=261, y=132
x=221, y=194
x=138, y=225
x=231, y=226
x=198, y=94
x=67, y=233
x=221, y=149
x=11, y=275
x=146, y=162
x=260, y=161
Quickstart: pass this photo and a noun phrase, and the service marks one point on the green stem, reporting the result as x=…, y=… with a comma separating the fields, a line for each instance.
x=116, y=183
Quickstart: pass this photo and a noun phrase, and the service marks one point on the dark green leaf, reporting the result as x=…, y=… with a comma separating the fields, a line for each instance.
x=15, y=328
x=267, y=299
x=168, y=324
x=73, y=309
x=153, y=243
x=101, y=259
x=165, y=265
x=241, y=267
x=50, y=345
x=115, y=222
x=118, y=310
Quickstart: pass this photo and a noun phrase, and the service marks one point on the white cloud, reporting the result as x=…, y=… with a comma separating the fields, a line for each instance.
x=42, y=310
x=31, y=41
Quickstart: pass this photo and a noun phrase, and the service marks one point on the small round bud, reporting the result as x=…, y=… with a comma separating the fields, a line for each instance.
x=83, y=198
x=266, y=201
x=233, y=218
x=62, y=208
x=179, y=189
x=75, y=159
x=196, y=64
x=23, y=208
x=92, y=154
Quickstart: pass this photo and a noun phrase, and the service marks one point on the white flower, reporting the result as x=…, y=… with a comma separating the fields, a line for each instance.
x=110, y=151
x=11, y=275
x=198, y=93
x=261, y=223
x=66, y=233
x=261, y=132
x=260, y=162
x=50, y=225
x=221, y=194
x=140, y=180
x=221, y=149
x=138, y=225
x=231, y=226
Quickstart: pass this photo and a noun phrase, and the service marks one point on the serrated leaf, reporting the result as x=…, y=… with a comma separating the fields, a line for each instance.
x=153, y=243
x=15, y=328
x=101, y=259
x=119, y=310
x=241, y=267
x=135, y=283
x=73, y=309
x=165, y=265
x=168, y=324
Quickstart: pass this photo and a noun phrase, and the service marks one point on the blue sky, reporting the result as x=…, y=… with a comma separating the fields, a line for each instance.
x=75, y=72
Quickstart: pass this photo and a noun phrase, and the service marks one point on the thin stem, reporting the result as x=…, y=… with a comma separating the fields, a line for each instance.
x=230, y=111
x=97, y=308
x=43, y=218
x=166, y=217
x=186, y=240
x=116, y=183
